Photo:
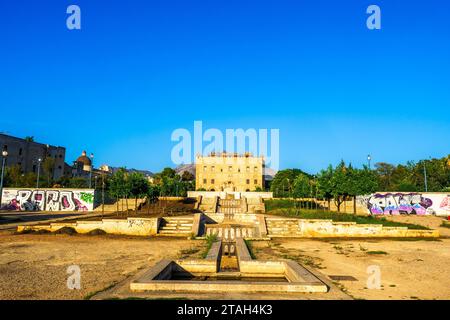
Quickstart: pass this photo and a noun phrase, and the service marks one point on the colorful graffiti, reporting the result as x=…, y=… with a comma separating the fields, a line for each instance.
x=47, y=200
x=406, y=203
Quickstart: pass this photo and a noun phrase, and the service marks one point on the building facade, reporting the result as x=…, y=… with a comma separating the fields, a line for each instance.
x=229, y=172
x=26, y=153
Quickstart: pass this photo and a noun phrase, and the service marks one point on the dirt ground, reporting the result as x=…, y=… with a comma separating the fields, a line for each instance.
x=431, y=222
x=409, y=269
x=35, y=266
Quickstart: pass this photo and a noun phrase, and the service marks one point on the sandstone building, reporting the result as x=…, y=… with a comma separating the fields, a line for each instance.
x=229, y=172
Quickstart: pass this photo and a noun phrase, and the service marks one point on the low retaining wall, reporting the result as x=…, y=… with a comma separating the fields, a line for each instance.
x=223, y=194
x=318, y=228
x=130, y=226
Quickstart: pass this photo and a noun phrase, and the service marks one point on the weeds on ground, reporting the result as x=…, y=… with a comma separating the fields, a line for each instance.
x=210, y=239
x=376, y=252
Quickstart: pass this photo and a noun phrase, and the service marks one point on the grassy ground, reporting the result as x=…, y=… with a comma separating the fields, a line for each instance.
x=445, y=224
x=286, y=208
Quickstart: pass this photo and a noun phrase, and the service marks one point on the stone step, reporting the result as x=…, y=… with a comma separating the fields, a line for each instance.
x=174, y=232
x=281, y=222
x=176, y=227
x=178, y=222
x=282, y=227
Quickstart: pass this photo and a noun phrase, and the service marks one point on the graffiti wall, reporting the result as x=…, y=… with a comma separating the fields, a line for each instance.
x=406, y=203
x=47, y=199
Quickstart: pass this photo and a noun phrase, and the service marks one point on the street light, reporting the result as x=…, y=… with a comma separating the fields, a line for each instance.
x=368, y=160
x=39, y=170
x=4, y=155
x=92, y=168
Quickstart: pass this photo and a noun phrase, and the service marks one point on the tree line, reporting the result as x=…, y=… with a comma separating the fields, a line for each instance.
x=343, y=181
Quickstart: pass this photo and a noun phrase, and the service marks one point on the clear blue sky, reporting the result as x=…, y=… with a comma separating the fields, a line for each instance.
x=140, y=69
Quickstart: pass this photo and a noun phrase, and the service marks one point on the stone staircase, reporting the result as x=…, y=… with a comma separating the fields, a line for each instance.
x=282, y=227
x=176, y=226
x=229, y=206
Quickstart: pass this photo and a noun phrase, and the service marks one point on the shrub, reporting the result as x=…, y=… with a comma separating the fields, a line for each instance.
x=97, y=232
x=66, y=230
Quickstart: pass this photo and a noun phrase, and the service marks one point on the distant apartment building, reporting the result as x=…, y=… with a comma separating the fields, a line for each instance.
x=26, y=154
x=229, y=172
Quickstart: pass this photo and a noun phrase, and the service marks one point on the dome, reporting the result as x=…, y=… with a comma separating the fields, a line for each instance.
x=84, y=159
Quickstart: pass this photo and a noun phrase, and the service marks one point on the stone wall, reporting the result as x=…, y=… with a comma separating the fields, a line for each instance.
x=319, y=228
x=223, y=194
x=130, y=226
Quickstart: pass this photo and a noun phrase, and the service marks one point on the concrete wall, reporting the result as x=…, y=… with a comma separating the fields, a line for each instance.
x=319, y=228
x=47, y=199
x=393, y=203
x=130, y=226
x=223, y=194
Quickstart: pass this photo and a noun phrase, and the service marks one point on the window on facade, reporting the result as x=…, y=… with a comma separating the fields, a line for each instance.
x=204, y=181
x=20, y=151
x=213, y=168
x=212, y=181
x=230, y=168
x=256, y=168
x=34, y=168
x=248, y=181
x=248, y=169
x=256, y=181
x=204, y=168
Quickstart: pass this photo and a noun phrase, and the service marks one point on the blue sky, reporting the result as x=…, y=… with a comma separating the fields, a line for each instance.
x=137, y=70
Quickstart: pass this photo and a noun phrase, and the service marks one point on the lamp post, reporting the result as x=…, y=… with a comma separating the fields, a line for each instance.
x=92, y=168
x=4, y=155
x=38, y=172
x=368, y=160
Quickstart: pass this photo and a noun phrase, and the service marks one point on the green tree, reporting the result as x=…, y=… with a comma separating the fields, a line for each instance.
x=283, y=182
x=384, y=173
x=118, y=185
x=362, y=182
x=48, y=165
x=13, y=176
x=301, y=187
x=324, y=184
x=187, y=176
x=341, y=183
x=138, y=186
